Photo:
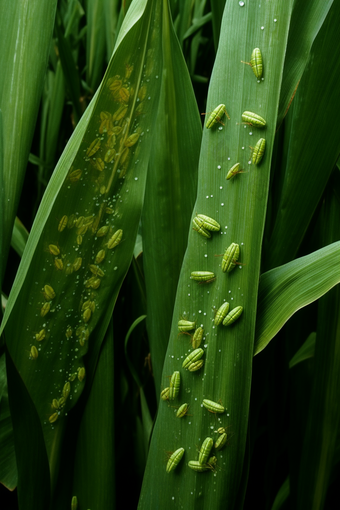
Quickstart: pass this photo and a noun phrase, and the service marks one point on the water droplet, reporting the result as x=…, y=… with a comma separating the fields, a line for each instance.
x=262, y=28
x=221, y=187
x=220, y=128
x=275, y=20
x=241, y=4
x=222, y=204
x=250, y=133
x=219, y=167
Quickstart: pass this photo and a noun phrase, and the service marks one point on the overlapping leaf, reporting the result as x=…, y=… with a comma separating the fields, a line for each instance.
x=83, y=237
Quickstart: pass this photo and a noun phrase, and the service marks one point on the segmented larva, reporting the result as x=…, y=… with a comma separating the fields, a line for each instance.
x=216, y=116
x=182, y=410
x=221, y=313
x=192, y=357
x=203, y=276
x=175, y=383
x=174, y=460
x=256, y=63
x=230, y=257
x=258, y=151
x=184, y=325
x=233, y=315
x=253, y=119
x=205, y=450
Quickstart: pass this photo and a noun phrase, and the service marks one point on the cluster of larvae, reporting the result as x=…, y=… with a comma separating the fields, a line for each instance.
x=91, y=283
x=250, y=118
x=205, y=225
x=83, y=243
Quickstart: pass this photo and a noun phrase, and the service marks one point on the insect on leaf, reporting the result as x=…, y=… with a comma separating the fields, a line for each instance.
x=81, y=223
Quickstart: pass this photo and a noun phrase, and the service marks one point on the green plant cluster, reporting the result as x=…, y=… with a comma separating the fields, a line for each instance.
x=170, y=299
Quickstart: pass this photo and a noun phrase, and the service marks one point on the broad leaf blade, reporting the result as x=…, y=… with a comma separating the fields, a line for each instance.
x=72, y=268
x=239, y=206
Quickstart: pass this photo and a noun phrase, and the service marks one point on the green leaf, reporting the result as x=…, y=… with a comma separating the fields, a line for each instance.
x=314, y=105
x=26, y=31
x=95, y=42
x=146, y=419
x=19, y=237
x=71, y=272
x=197, y=25
x=111, y=20
x=306, y=351
x=282, y=495
x=94, y=480
x=69, y=69
x=130, y=365
x=311, y=18
x=32, y=462
x=8, y=467
x=55, y=96
x=239, y=206
x=321, y=434
x=288, y=288
x=170, y=193
x=2, y=224
x=217, y=7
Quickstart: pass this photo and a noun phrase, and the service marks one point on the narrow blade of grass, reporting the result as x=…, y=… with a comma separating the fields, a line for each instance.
x=286, y=289
x=170, y=193
x=26, y=30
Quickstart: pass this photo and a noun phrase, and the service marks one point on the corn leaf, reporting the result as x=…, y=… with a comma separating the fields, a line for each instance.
x=170, y=193
x=83, y=237
x=239, y=205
